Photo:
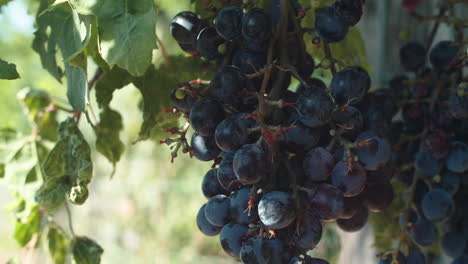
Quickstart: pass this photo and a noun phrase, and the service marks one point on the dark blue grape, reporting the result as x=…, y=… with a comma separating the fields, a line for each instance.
x=356, y=222
x=184, y=104
x=437, y=205
x=279, y=252
x=318, y=164
x=290, y=173
x=412, y=56
x=423, y=232
x=457, y=159
x=300, y=138
x=211, y=185
x=250, y=164
x=442, y=54
x=420, y=190
x=350, y=85
x=309, y=232
x=204, y=226
x=205, y=115
x=315, y=108
x=351, y=181
x=415, y=256
x=185, y=27
x=208, y=42
x=327, y=201
x=310, y=85
x=461, y=260
x=350, y=120
x=256, y=26
x=382, y=175
x=351, y=206
x=249, y=62
x=226, y=86
x=217, y=210
x=329, y=25
x=449, y=181
x=349, y=10
x=228, y=22
x=388, y=259
x=231, y=238
x=276, y=210
x=426, y=165
x=255, y=251
x=240, y=211
x=453, y=244
x=234, y=132
x=204, y=148
x=414, y=117
x=379, y=196
x=226, y=176
x=437, y=143
x=375, y=151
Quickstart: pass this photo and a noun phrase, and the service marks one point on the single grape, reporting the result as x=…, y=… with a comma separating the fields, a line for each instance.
x=234, y=132
x=415, y=256
x=204, y=225
x=350, y=85
x=453, y=244
x=373, y=151
x=449, y=182
x=226, y=176
x=226, y=86
x=256, y=26
x=329, y=25
x=310, y=85
x=356, y=222
x=437, y=144
x=279, y=252
x=276, y=210
x=228, y=22
x=208, y=42
x=350, y=120
x=231, y=238
x=185, y=27
x=382, y=175
x=351, y=206
x=205, y=115
x=423, y=232
x=437, y=205
x=412, y=55
x=204, y=148
x=443, y=54
x=255, y=251
x=350, y=180
x=300, y=138
x=379, y=196
x=183, y=104
x=249, y=62
x=315, y=108
x=318, y=164
x=217, y=210
x=327, y=201
x=426, y=165
x=211, y=185
x=308, y=233
x=457, y=159
x=349, y=10
x=250, y=164
x=241, y=213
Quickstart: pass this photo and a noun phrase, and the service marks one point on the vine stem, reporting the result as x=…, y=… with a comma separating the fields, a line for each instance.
x=329, y=57
x=70, y=221
x=435, y=27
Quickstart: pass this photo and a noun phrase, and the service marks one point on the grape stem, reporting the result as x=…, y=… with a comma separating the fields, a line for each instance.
x=70, y=221
x=329, y=57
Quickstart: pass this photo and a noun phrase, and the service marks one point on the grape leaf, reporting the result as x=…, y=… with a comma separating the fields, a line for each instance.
x=351, y=50
x=156, y=86
x=36, y=102
x=70, y=159
x=108, y=142
x=58, y=245
x=2, y=170
x=26, y=227
x=52, y=192
x=126, y=30
x=75, y=35
x=86, y=250
x=114, y=79
x=8, y=70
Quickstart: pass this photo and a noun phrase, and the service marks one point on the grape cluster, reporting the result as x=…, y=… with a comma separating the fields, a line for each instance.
x=431, y=150
x=287, y=160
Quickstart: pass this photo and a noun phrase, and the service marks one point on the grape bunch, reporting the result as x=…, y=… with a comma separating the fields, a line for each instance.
x=286, y=160
x=430, y=141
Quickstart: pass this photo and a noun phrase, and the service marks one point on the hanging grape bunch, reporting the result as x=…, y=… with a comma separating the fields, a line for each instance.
x=431, y=150
x=287, y=160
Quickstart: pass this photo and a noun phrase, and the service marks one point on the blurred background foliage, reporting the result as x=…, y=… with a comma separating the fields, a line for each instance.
x=146, y=212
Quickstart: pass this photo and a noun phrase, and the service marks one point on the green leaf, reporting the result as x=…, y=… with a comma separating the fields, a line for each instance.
x=52, y=193
x=86, y=250
x=127, y=31
x=26, y=227
x=36, y=102
x=58, y=245
x=19, y=166
x=114, y=79
x=70, y=160
x=351, y=50
x=8, y=70
x=14, y=260
x=156, y=85
x=108, y=142
x=2, y=170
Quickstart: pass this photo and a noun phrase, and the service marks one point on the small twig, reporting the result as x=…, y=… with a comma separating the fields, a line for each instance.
x=70, y=221
x=435, y=27
x=96, y=77
x=329, y=56
x=163, y=50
